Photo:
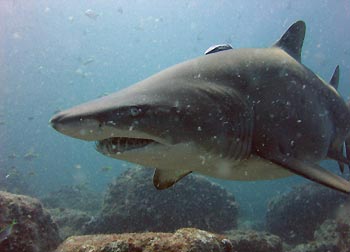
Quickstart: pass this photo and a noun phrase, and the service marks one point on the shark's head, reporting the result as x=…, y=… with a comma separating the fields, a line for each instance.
x=157, y=122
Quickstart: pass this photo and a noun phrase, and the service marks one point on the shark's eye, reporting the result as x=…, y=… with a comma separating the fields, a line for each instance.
x=134, y=111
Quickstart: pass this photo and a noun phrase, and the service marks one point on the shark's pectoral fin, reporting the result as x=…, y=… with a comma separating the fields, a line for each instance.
x=163, y=179
x=312, y=171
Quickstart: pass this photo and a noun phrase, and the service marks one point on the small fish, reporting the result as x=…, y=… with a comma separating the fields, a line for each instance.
x=30, y=155
x=88, y=61
x=31, y=173
x=91, y=14
x=7, y=231
x=13, y=171
x=106, y=168
x=12, y=156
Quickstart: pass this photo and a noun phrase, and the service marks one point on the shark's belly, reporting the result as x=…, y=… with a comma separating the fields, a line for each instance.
x=253, y=168
x=186, y=157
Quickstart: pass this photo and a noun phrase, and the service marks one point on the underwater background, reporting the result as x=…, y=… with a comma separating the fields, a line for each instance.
x=57, y=54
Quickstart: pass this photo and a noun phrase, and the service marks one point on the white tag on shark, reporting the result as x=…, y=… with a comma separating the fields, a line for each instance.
x=218, y=48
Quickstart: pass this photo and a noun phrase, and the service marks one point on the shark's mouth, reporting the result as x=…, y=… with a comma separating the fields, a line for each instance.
x=118, y=145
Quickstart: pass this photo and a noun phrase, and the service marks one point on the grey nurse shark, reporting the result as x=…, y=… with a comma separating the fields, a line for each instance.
x=237, y=114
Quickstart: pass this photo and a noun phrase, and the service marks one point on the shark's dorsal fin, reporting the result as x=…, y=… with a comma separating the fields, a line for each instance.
x=335, y=78
x=163, y=179
x=292, y=40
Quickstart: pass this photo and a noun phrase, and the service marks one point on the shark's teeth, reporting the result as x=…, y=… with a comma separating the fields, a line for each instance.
x=117, y=145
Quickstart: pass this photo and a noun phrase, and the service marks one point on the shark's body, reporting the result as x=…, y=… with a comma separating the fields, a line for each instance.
x=243, y=114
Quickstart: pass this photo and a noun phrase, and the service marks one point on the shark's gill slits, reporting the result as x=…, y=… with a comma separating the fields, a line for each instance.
x=120, y=144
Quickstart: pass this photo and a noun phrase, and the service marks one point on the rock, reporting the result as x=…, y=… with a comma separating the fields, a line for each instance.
x=343, y=226
x=132, y=204
x=327, y=232
x=295, y=216
x=15, y=181
x=183, y=240
x=249, y=240
x=187, y=239
x=34, y=232
x=73, y=197
x=327, y=238
x=315, y=247
x=70, y=221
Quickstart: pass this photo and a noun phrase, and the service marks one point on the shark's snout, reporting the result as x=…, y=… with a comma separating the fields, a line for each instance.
x=64, y=119
x=57, y=121
x=75, y=125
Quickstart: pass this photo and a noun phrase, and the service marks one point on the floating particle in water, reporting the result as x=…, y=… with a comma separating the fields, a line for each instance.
x=81, y=73
x=120, y=10
x=71, y=19
x=91, y=14
x=17, y=36
x=77, y=166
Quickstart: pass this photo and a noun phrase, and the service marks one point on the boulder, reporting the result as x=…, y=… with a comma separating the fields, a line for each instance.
x=73, y=197
x=70, y=221
x=34, y=230
x=333, y=235
x=183, y=240
x=250, y=240
x=132, y=204
x=326, y=239
x=296, y=215
x=15, y=181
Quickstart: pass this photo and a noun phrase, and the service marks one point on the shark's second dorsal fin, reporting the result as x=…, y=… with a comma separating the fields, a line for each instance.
x=292, y=40
x=335, y=78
